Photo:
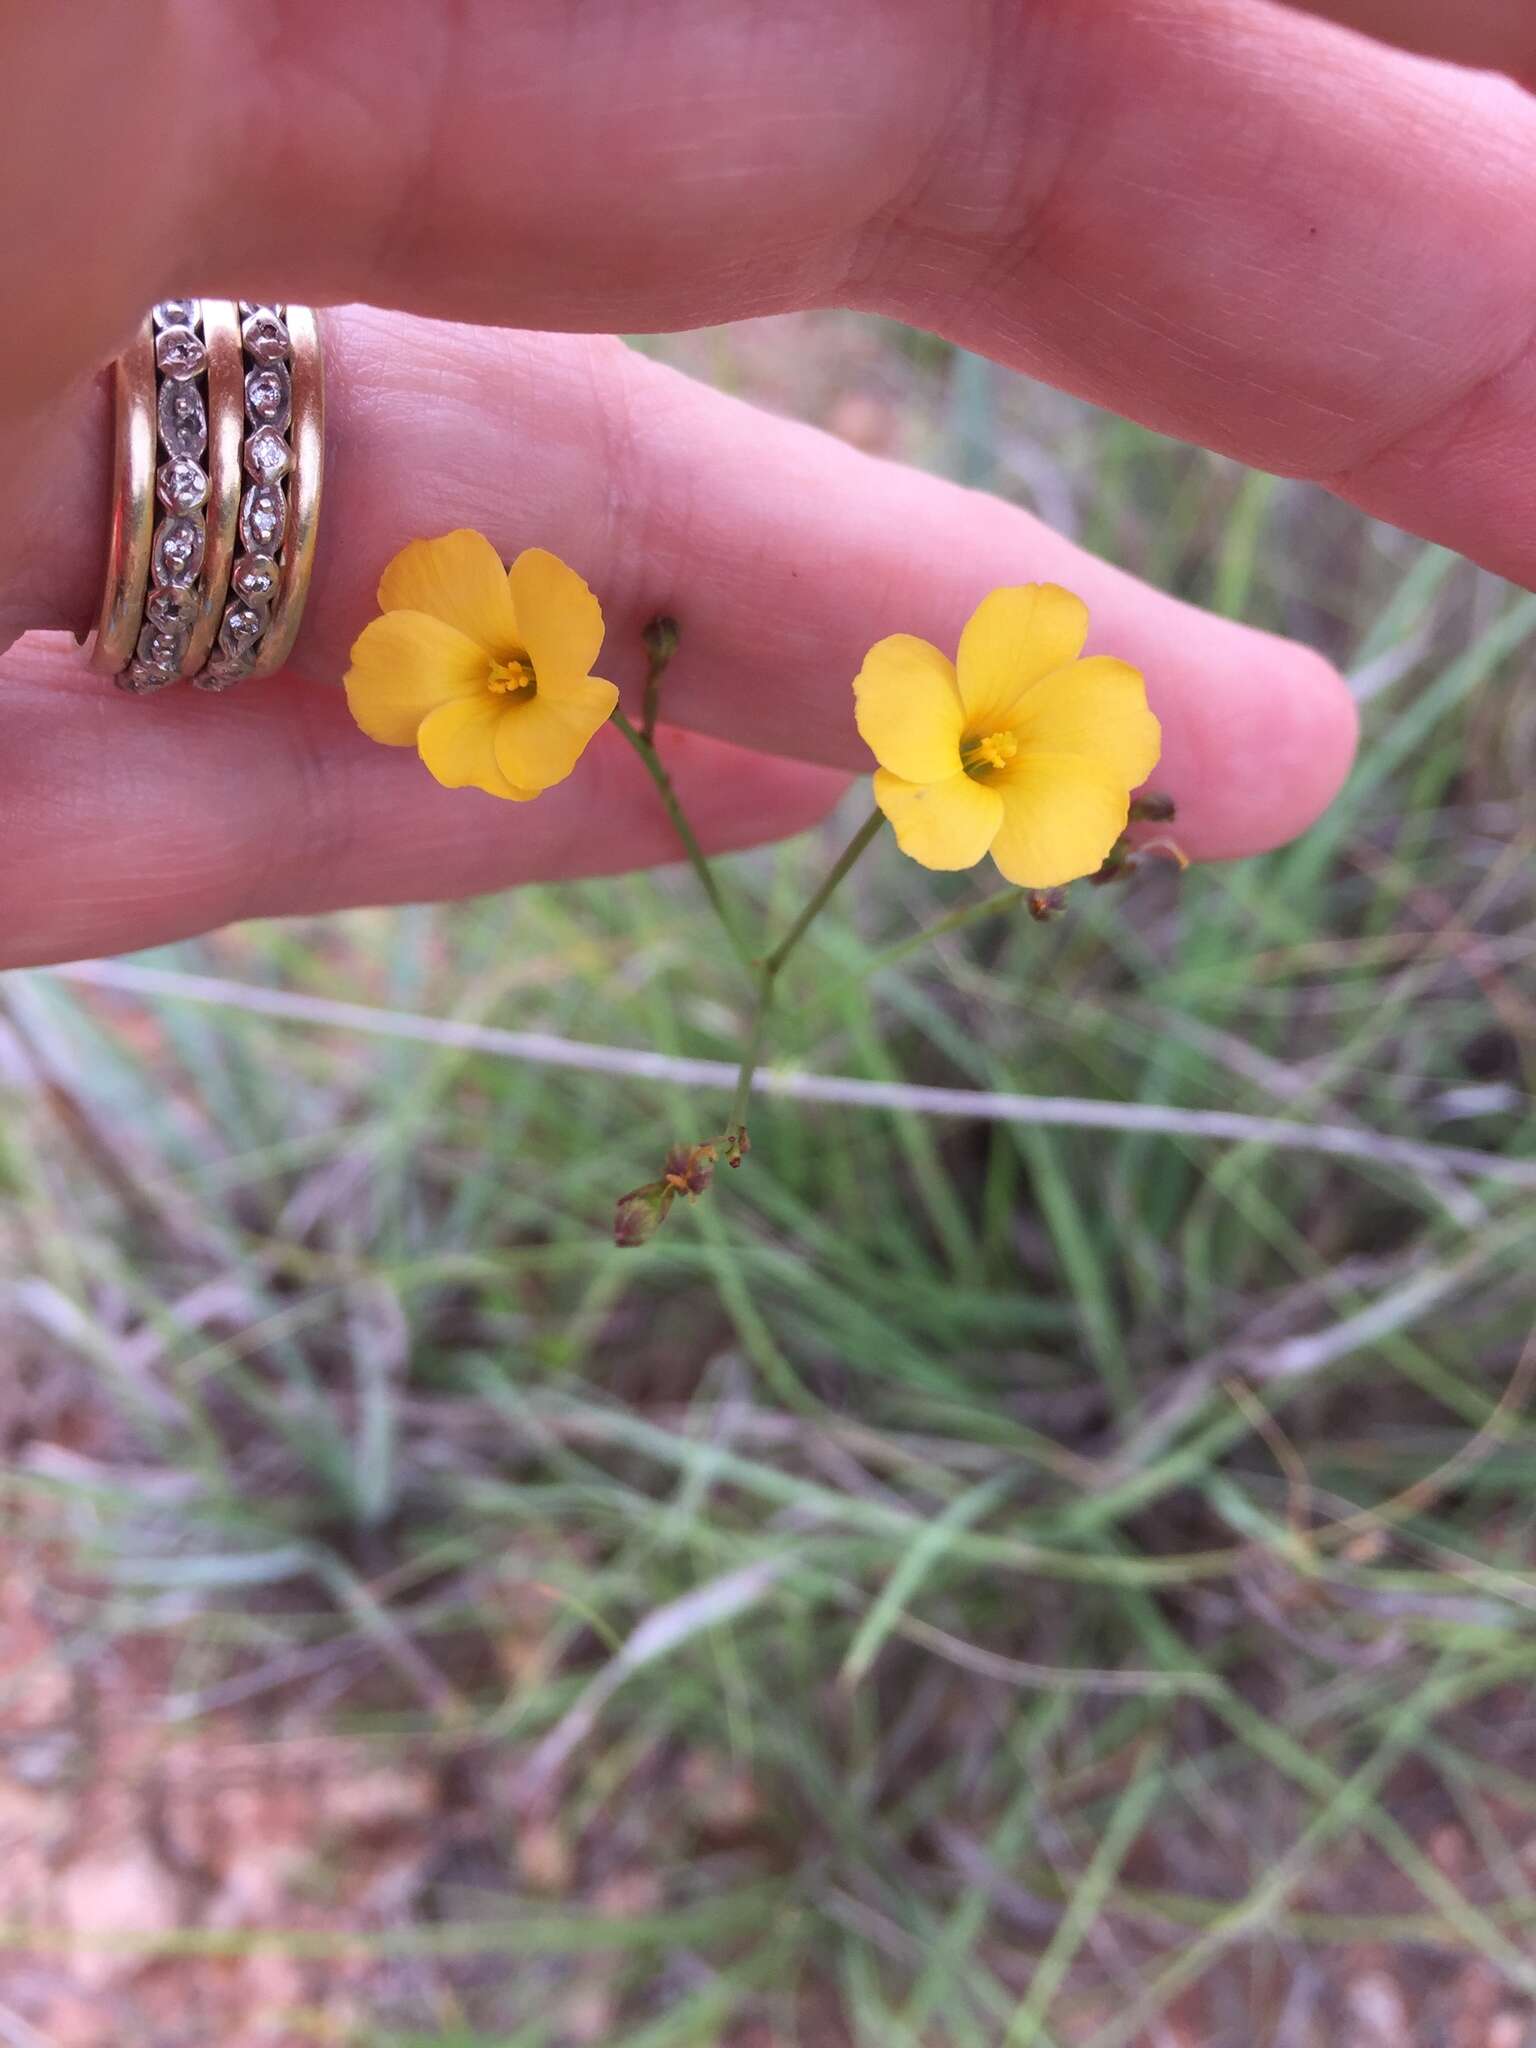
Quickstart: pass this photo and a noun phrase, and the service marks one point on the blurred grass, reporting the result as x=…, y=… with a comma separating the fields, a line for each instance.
x=1105, y=1560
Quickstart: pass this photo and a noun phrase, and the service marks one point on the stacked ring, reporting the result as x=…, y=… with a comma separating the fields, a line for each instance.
x=197, y=358
x=133, y=505
x=219, y=415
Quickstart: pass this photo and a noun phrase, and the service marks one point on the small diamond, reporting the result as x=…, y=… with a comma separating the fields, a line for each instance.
x=263, y=516
x=182, y=485
x=161, y=648
x=181, y=354
x=172, y=608
x=178, y=551
x=183, y=419
x=249, y=306
x=265, y=337
x=140, y=679
x=243, y=627
x=176, y=313
x=267, y=455
x=269, y=396
x=255, y=578
x=220, y=673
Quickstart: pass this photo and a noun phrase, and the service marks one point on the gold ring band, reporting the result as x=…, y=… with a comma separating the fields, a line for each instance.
x=212, y=586
x=221, y=332
x=133, y=505
x=306, y=435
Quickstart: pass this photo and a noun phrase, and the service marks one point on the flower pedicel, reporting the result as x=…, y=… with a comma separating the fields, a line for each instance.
x=1020, y=747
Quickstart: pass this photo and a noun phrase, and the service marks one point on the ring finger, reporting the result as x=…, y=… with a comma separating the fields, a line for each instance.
x=783, y=553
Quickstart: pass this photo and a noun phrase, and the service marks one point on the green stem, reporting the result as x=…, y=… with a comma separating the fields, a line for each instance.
x=737, y=1120
x=771, y=967
x=818, y=903
x=651, y=704
x=952, y=921
x=660, y=637
x=656, y=769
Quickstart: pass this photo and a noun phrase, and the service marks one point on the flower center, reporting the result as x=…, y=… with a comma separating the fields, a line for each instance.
x=512, y=678
x=996, y=750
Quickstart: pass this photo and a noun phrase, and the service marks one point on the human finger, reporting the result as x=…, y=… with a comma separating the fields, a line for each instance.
x=784, y=554
x=1225, y=218
x=119, y=831
x=1497, y=34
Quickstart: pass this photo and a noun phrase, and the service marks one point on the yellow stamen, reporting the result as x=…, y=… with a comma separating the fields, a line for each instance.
x=511, y=678
x=996, y=750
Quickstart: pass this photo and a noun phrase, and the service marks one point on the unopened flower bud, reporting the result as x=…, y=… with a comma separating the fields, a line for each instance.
x=1120, y=862
x=641, y=1213
x=1153, y=808
x=661, y=637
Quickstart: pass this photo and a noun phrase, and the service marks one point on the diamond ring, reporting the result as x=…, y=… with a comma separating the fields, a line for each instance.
x=219, y=418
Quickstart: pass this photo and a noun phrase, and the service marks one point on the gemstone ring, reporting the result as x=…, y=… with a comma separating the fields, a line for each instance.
x=219, y=417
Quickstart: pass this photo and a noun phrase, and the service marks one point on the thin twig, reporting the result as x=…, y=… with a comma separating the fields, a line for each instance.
x=1070, y=1112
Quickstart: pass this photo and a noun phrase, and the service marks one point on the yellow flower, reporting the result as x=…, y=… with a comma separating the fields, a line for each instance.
x=1018, y=748
x=485, y=671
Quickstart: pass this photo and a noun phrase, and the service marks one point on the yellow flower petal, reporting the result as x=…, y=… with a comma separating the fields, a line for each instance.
x=458, y=743
x=1061, y=816
x=1012, y=639
x=403, y=666
x=559, y=621
x=459, y=579
x=940, y=824
x=1095, y=708
x=908, y=709
x=540, y=741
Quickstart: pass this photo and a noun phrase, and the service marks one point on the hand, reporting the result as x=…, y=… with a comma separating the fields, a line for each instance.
x=1231, y=220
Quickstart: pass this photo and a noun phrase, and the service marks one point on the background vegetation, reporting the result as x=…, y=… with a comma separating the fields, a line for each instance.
x=970, y=1583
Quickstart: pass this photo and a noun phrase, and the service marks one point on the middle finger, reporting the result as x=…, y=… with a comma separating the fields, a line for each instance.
x=1229, y=220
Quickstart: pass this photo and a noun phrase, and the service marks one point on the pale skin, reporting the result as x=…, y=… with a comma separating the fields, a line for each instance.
x=1234, y=220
